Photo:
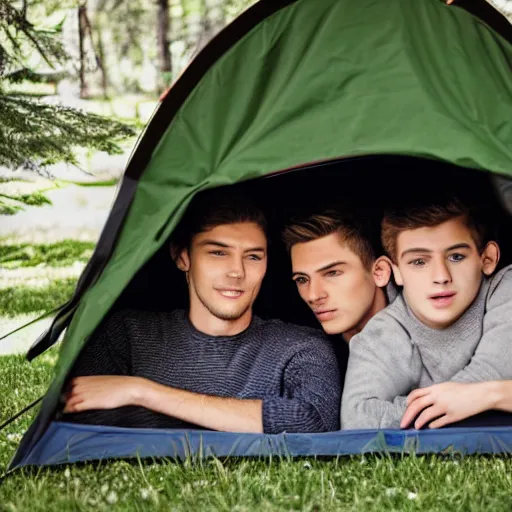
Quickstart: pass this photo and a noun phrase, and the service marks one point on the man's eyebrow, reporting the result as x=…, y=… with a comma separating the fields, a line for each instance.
x=216, y=243
x=415, y=249
x=331, y=265
x=462, y=245
x=326, y=267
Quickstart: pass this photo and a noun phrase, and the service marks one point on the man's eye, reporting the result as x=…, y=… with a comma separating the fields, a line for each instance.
x=418, y=262
x=333, y=273
x=300, y=280
x=456, y=257
x=217, y=253
x=255, y=257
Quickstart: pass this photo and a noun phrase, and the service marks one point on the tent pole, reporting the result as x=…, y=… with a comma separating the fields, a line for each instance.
x=48, y=313
x=18, y=414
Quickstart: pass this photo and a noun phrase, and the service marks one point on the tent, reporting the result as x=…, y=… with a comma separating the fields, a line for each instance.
x=292, y=85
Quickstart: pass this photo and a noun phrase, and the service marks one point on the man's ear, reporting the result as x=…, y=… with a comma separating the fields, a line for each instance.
x=181, y=258
x=490, y=257
x=382, y=271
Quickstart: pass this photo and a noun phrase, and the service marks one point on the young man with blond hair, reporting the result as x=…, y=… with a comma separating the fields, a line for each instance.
x=452, y=321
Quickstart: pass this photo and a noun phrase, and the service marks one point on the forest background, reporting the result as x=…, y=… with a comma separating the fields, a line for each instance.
x=78, y=82
x=79, y=79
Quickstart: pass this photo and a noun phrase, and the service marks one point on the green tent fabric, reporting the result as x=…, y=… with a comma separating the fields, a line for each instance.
x=288, y=84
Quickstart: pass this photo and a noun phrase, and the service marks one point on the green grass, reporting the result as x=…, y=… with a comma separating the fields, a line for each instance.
x=58, y=254
x=414, y=483
x=23, y=299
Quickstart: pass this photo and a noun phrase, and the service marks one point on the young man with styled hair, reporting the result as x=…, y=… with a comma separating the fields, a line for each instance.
x=336, y=271
x=452, y=321
x=216, y=365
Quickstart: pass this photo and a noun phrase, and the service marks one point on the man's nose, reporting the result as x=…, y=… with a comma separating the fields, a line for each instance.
x=441, y=272
x=316, y=291
x=237, y=269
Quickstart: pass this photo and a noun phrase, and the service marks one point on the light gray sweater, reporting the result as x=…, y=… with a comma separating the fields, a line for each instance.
x=396, y=353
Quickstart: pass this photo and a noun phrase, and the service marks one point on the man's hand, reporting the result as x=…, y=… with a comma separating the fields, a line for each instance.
x=442, y=404
x=102, y=392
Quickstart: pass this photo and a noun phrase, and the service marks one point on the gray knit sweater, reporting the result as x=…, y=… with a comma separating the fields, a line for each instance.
x=292, y=369
x=396, y=353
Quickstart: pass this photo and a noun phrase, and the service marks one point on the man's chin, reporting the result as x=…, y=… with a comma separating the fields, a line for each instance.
x=229, y=314
x=334, y=328
x=442, y=319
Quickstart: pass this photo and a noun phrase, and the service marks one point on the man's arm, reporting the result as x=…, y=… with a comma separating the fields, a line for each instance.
x=217, y=413
x=448, y=402
x=383, y=367
x=310, y=402
x=492, y=359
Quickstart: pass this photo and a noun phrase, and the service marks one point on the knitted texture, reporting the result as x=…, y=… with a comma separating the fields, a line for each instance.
x=292, y=369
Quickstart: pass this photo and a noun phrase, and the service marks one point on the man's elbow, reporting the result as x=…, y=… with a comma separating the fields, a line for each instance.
x=309, y=422
x=348, y=421
x=354, y=416
x=317, y=423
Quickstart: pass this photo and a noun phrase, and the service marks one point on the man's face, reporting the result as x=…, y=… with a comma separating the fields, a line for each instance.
x=332, y=280
x=226, y=266
x=440, y=269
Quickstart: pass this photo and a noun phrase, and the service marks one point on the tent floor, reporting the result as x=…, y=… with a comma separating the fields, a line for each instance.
x=67, y=443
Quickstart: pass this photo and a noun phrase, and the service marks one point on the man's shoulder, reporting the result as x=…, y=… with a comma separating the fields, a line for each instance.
x=146, y=319
x=501, y=279
x=388, y=325
x=395, y=315
x=499, y=289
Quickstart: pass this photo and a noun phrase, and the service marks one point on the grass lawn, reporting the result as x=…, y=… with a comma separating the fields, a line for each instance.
x=23, y=299
x=356, y=483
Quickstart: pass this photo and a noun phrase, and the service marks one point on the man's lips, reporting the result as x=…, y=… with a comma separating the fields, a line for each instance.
x=230, y=293
x=442, y=299
x=324, y=314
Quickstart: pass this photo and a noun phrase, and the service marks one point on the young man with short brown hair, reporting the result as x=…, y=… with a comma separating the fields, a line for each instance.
x=216, y=365
x=452, y=321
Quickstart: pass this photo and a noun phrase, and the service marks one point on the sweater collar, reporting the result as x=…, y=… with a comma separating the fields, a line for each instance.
x=207, y=338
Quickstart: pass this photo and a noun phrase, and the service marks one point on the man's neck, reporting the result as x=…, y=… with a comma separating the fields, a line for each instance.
x=380, y=301
x=211, y=325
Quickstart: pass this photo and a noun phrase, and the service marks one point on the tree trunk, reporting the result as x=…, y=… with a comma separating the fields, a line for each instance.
x=100, y=54
x=164, y=51
x=82, y=30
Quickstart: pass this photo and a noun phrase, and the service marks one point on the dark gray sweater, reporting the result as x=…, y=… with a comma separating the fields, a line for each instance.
x=292, y=369
x=396, y=353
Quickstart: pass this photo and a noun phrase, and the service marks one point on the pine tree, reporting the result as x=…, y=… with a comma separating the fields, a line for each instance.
x=34, y=134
